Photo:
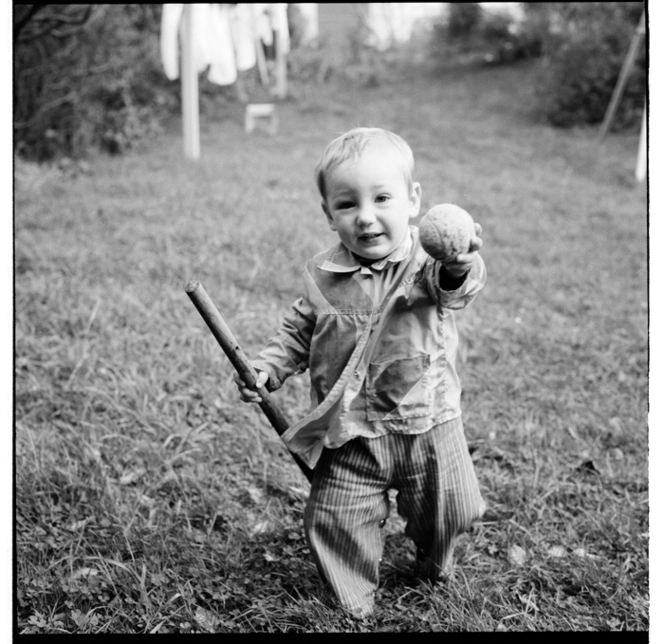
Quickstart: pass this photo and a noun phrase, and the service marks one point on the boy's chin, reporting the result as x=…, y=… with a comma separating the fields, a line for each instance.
x=369, y=258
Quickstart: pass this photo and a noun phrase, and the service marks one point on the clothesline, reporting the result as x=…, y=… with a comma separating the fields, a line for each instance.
x=224, y=37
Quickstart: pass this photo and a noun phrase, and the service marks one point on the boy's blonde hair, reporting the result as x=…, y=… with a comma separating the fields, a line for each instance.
x=351, y=145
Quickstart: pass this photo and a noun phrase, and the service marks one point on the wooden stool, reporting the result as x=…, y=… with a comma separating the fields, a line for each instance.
x=263, y=115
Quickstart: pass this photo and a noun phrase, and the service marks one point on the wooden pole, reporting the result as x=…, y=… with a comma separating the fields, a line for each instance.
x=624, y=75
x=260, y=55
x=281, y=89
x=642, y=158
x=190, y=124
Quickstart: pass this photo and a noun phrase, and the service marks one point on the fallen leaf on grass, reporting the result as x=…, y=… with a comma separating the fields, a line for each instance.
x=517, y=555
x=614, y=624
x=78, y=525
x=206, y=619
x=298, y=492
x=158, y=579
x=617, y=454
x=255, y=494
x=131, y=477
x=573, y=433
x=84, y=572
x=556, y=551
x=581, y=552
x=259, y=528
x=616, y=424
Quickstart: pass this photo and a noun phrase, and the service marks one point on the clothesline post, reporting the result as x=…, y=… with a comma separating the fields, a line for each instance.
x=281, y=89
x=642, y=157
x=190, y=124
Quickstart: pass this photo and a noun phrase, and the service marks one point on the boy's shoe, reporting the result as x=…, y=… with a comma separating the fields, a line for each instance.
x=426, y=569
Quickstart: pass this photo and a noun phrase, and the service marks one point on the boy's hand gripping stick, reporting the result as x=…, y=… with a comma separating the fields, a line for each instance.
x=233, y=351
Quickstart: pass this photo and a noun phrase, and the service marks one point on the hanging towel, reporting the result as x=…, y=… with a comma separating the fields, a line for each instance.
x=278, y=13
x=223, y=40
x=223, y=68
x=241, y=19
x=263, y=24
x=170, y=25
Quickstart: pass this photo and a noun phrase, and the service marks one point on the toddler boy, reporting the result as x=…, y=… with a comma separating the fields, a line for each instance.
x=376, y=330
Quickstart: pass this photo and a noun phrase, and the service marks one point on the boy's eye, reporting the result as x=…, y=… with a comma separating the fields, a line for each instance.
x=344, y=205
x=382, y=198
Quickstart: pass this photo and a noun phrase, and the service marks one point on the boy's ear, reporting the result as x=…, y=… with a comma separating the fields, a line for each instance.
x=415, y=198
x=326, y=210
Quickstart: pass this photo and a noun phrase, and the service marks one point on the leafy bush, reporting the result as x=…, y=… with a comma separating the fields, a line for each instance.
x=582, y=62
x=87, y=75
x=468, y=32
x=464, y=19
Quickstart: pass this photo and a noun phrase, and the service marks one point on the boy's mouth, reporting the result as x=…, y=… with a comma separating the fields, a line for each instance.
x=370, y=236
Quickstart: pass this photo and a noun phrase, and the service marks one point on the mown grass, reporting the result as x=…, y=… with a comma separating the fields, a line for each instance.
x=150, y=500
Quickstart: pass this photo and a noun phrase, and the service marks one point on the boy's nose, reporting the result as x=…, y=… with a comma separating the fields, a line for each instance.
x=366, y=216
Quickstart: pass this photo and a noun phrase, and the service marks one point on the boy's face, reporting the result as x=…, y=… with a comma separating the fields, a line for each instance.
x=369, y=204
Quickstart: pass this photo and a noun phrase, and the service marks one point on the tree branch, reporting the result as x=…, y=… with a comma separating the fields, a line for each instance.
x=22, y=22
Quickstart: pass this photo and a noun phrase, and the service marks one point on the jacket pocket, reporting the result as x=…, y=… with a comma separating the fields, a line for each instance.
x=399, y=389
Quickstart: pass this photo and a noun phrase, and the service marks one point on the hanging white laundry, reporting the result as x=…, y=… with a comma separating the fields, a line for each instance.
x=204, y=28
x=379, y=21
x=400, y=20
x=223, y=68
x=393, y=22
x=171, y=33
x=168, y=41
x=241, y=18
x=263, y=23
x=278, y=13
x=309, y=15
x=223, y=39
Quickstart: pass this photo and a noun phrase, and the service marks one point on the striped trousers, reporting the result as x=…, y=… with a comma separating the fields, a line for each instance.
x=437, y=494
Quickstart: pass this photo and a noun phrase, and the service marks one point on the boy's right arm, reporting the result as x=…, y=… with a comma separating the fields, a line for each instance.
x=286, y=354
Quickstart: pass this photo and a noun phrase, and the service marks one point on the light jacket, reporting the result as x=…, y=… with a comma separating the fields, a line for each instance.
x=380, y=343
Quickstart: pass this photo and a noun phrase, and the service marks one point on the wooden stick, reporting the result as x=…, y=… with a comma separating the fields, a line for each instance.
x=642, y=156
x=238, y=359
x=260, y=55
x=625, y=71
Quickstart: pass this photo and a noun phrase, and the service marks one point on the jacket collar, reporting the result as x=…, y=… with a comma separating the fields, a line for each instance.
x=341, y=260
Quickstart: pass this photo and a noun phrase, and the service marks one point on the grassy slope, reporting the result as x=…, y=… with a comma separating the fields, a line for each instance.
x=150, y=500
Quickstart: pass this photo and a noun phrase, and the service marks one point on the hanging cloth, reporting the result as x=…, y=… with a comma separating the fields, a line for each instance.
x=223, y=68
x=242, y=31
x=168, y=41
x=223, y=40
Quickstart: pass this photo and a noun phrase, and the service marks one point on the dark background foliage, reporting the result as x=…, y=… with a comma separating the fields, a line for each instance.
x=582, y=62
x=87, y=76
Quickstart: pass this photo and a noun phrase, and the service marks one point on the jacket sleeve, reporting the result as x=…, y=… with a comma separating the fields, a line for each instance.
x=287, y=353
x=464, y=294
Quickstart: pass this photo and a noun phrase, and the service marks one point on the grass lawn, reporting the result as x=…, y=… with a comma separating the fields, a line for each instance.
x=150, y=499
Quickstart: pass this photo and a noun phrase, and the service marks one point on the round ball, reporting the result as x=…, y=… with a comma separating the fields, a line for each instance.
x=446, y=231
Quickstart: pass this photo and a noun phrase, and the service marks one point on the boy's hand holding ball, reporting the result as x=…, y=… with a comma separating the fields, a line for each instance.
x=449, y=234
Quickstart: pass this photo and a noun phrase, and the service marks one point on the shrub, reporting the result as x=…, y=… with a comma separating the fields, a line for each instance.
x=463, y=20
x=583, y=60
x=469, y=32
x=87, y=75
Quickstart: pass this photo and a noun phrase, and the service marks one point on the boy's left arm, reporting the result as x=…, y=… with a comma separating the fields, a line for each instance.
x=456, y=284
